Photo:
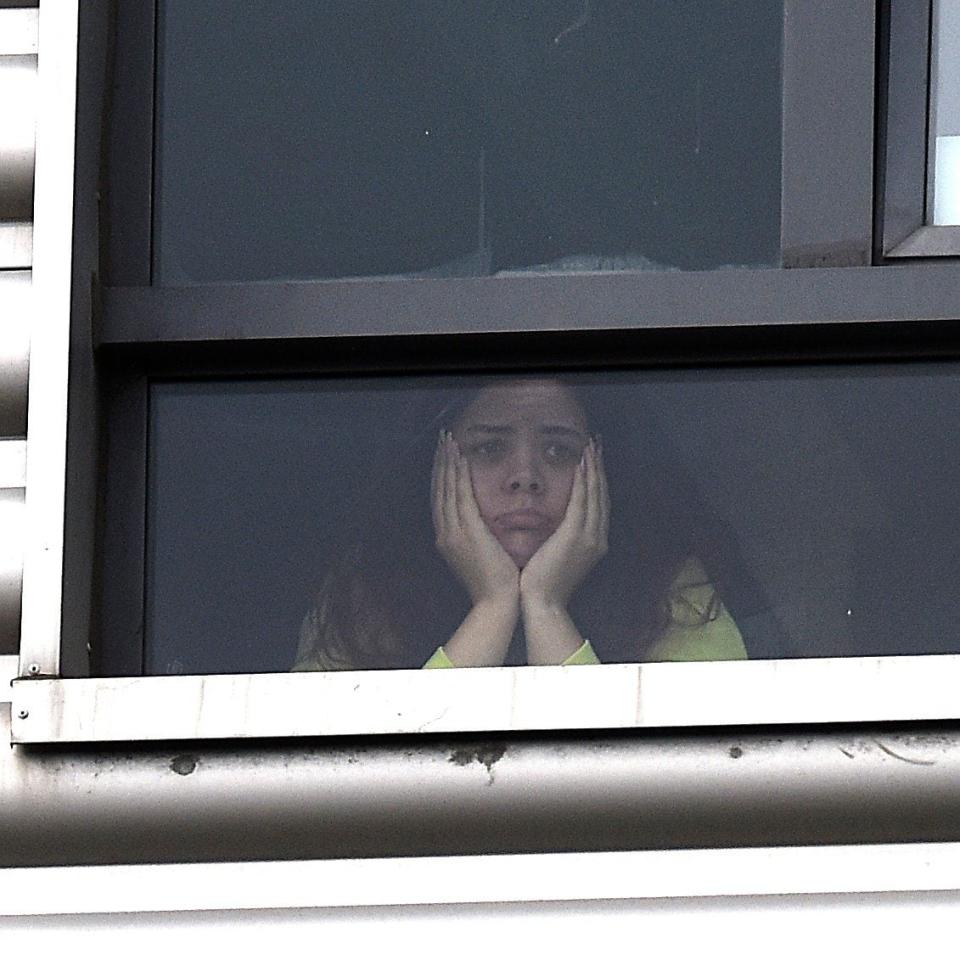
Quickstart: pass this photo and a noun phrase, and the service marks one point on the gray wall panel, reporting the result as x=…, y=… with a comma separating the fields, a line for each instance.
x=431, y=796
x=18, y=76
x=11, y=568
x=14, y=352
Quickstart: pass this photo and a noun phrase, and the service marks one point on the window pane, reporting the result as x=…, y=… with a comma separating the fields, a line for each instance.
x=764, y=513
x=945, y=112
x=465, y=137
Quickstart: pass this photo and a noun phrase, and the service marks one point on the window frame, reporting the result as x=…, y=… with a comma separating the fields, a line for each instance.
x=273, y=705
x=827, y=91
x=905, y=32
x=838, y=308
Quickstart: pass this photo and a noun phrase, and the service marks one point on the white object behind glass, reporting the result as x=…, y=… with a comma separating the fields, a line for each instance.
x=944, y=196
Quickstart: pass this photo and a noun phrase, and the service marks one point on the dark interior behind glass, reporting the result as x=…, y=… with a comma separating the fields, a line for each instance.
x=344, y=138
x=825, y=497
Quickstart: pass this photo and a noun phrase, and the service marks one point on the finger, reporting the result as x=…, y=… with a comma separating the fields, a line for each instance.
x=450, y=518
x=601, y=532
x=435, y=485
x=598, y=480
x=590, y=508
x=462, y=489
x=469, y=511
x=600, y=527
x=604, y=492
x=576, y=507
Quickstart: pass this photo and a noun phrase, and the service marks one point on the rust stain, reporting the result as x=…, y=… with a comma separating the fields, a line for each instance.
x=897, y=756
x=486, y=754
x=183, y=765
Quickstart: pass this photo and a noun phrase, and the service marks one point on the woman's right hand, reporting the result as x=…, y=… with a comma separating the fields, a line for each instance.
x=463, y=538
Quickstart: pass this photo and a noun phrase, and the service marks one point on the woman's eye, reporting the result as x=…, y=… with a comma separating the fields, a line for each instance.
x=561, y=454
x=486, y=449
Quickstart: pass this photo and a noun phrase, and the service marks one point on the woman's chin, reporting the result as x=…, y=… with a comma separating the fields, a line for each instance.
x=521, y=553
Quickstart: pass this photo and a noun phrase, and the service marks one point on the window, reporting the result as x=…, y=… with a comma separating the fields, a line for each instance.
x=944, y=175
x=209, y=341
x=445, y=138
x=769, y=512
x=917, y=169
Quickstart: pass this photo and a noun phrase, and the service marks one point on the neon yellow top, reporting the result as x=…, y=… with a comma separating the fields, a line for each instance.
x=701, y=627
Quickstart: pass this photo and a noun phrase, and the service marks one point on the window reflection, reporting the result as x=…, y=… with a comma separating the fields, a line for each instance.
x=684, y=515
x=514, y=567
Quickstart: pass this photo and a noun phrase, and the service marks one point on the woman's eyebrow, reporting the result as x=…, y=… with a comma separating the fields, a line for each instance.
x=490, y=428
x=547, y=429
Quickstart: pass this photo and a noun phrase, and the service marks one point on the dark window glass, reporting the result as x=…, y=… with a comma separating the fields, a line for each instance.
x=763, y=513
x=343, y=138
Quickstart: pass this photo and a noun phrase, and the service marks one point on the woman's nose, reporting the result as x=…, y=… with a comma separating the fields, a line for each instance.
x=531, y=484
x=524, y=475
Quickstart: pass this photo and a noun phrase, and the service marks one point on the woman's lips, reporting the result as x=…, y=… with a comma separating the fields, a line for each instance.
x=523, y=520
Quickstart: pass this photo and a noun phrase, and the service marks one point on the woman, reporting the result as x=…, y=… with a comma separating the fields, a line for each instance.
x=520, y=506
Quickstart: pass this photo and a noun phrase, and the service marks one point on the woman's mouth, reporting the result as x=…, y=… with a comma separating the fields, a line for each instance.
x=523, y=519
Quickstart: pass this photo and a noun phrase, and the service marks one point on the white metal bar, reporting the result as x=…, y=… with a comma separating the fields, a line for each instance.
x=514, y=878
x=13, y=463
x=8, y=670
x=16, y=244
x=609, y=696
x=50, y=337
x=881, y=926
x=18, y=31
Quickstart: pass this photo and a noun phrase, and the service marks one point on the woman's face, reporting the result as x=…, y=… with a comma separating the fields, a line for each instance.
x=523, y=440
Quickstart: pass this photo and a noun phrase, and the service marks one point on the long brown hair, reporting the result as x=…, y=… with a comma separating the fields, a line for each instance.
x=388, y=600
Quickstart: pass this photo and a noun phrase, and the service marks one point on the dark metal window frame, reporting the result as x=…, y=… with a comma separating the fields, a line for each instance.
x=837, y=308
x=818, y=316
x=827, y=90
x=905, y=38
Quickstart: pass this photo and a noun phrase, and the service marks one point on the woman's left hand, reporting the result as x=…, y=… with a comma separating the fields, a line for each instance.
x=558, y=567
